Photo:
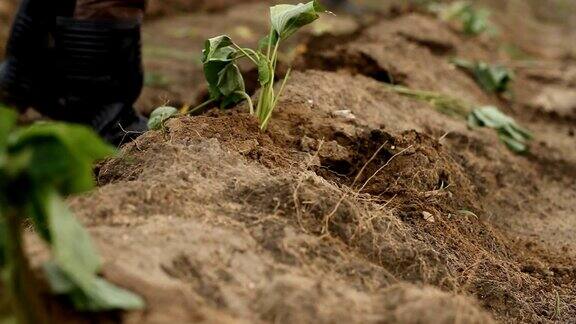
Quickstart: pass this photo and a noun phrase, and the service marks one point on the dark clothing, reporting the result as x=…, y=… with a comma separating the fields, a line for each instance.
x=77, y=62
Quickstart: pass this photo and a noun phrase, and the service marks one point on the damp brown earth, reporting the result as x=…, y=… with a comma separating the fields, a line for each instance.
x=391, y=212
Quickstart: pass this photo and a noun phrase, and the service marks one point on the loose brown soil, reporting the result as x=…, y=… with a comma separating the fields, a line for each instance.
x=396, y=213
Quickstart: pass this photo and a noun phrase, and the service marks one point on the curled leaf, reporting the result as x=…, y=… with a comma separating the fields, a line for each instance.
x=230, y=80
x=213, y=47
x=287, y=19
x=492, y=78
x=509, y=132
x=161, y=115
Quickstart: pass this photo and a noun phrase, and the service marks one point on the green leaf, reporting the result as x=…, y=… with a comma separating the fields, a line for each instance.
x=75, y=260
x=81, y=140
x=475, y=21
x=509, y=132
x=8, y=120
x=264, y=71
x=231, y=100
x=217, y=55
x=287, y=19
x=230, y=80
x=160, y=115
x=106, y=296
x=492, y=117
x=71, y=245
x=221, y=73
x=213, y=47
x=492, y=78
x=100, y=296
x=62, y=154
x=513, y=144
x=59, y=283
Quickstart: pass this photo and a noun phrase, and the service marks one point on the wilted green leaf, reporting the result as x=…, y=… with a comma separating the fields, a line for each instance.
x=99, y=296
x=76, y=258
x=71, y=245
x=106, y=296
x=62, y=154
x=160, y=115
x=59, y=283
x=213, y=47
x=492, y=78
x=232, y=100
x=510, y=133
x=222, y=74
x=230, y=80
x=287, y=19
x=42, y=162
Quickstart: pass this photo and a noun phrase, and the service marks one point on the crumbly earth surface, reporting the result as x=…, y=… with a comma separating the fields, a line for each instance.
x=358, y=205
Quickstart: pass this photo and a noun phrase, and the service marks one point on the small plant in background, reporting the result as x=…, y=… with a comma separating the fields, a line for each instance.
x=221, y=53
x=444, y=104
x=160, y=115
x=510, y=133
x=474, y=21
x=39, y=165
x=492, y=78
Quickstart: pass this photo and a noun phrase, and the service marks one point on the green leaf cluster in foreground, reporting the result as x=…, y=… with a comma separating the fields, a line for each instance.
x=39, y=166
x=220, y=56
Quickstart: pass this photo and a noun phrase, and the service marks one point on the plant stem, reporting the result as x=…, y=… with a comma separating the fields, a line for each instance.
x=266, y=120
x=275, y=56
x=270, y=99
x=286, y=77
x=200, y=107
x=247, y=97
x=18, y=277
x=245, y=53
x=270, y=43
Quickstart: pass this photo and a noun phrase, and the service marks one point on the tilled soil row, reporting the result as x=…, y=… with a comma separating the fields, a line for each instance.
x=355, y=196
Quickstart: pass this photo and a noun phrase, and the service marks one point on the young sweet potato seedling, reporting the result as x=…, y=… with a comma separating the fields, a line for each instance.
x=225, y=81
x=39, y=165
x=492, y=78
x=510, y=133
x=221, y=53
x=473, y=21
